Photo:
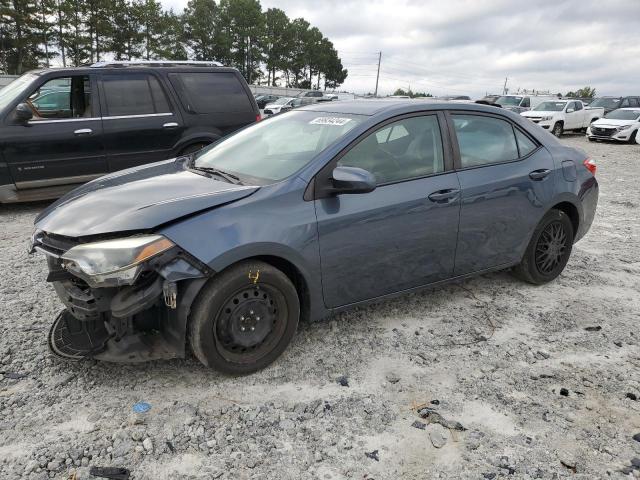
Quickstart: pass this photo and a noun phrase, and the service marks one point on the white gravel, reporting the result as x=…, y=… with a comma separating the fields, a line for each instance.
x=492, y=353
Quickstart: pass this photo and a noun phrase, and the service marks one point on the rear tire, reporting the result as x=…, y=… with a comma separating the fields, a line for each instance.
x=549, y=249
x=558, y=128
x=244, y=318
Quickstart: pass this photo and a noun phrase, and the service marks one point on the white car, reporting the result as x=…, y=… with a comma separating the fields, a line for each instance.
x=559, y=116
x=278, y=106
x=621, y=125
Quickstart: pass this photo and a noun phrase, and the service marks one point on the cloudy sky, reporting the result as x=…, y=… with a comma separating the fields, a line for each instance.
x=470, y=46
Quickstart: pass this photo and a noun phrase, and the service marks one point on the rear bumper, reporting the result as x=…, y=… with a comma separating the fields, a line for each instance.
x=588, y=194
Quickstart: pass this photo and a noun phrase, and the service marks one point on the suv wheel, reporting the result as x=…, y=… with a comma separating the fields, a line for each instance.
x=244, y=318
x=549, y=249
x=632, y=138
x=558, y=129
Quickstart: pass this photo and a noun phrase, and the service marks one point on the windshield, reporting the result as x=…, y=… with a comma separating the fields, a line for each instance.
x=550, y=106
x=623, y=115
x=274, y=149
x=510, y=101
x=605, y=102
x=281, y=101
x=15, y=89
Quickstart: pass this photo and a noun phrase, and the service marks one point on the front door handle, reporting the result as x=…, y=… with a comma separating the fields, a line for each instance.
x=539, y=174
x=170, y=125
x=442, y=196
x=83, y=131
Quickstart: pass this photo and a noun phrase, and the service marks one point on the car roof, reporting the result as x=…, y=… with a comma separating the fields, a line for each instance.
x=132, y=68
x=374, y=107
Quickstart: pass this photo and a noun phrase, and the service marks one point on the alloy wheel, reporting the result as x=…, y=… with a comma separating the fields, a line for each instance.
x=551, y=248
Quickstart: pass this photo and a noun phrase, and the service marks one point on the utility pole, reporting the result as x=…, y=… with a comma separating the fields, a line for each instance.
x=504, y=89
x=378, y=75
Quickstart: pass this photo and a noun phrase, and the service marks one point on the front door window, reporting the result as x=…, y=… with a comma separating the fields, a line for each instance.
x=62, y=98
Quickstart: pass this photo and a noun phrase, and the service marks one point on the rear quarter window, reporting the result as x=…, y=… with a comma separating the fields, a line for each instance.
x=210, y=92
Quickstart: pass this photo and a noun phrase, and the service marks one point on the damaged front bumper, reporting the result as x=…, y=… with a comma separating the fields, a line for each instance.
x=143, y=321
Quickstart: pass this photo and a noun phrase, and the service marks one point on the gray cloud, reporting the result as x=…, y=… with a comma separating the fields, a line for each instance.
x=470, y=46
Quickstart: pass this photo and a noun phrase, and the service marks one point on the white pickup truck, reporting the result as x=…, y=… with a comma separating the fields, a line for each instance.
x=559, y=116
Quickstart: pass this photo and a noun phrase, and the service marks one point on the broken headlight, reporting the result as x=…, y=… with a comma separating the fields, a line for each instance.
x=112, y=263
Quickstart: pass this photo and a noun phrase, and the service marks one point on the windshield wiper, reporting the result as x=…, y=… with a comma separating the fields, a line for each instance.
x=229, y=177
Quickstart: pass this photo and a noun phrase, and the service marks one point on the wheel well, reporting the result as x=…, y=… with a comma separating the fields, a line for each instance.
x=187, y=147
x=572, y=212
x=296, y=277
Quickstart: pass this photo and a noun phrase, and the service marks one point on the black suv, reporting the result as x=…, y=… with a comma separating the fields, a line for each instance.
x=61, y=127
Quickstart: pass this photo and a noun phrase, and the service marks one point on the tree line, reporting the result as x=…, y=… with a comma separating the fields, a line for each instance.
x=266, y=46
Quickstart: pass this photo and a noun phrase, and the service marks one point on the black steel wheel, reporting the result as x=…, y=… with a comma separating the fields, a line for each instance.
x=549, y=249
x=244, y=318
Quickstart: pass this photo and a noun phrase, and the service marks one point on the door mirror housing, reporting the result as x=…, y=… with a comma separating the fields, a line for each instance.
x=570, y=110
x=352, y=180
x=23, y=113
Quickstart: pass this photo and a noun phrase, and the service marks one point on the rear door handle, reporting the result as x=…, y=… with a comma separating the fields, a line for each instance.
x=170, y=125
x=539, y=174
x=83, y=131
x=441, y=196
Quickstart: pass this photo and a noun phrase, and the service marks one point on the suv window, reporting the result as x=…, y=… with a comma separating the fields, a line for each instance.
x=402, y=150
x=625, y=103
x=577, y=105
x=634, y=102
x=208, y=92
x=526, y=102
x=134, y=94
x=483, y=140
x=59, y=98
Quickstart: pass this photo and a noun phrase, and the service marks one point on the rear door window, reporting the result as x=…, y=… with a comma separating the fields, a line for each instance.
x=483, y=140
x=134, y=94
x=210, y=92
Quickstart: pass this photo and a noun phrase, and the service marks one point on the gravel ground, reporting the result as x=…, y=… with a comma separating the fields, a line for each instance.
x=543, y=379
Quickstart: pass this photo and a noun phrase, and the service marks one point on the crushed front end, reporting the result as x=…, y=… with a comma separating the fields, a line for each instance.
x=126, y=299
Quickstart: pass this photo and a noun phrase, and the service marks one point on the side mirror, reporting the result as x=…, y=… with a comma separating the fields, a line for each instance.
x=352, y=180
x=23, y=113
x=570, y=110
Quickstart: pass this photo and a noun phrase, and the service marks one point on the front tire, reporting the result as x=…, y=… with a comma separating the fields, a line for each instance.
x=549, y=249
x=244, y=318
x=558, y=128
x=632, y=138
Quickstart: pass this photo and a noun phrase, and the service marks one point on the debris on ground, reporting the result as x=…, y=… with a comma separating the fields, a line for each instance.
x=438, y=435
x=141, y=407
x=595, y=328
x=564, y=392
x=373, y=455
x=419, y=425
x=113, y=473
x=14, y=375
x=631, y=396
x=343, y=381
x=431, y=416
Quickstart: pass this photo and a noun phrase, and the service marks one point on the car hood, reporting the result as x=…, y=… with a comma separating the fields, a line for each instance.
x=136, y=199
x=609, y=122
x=539, y=113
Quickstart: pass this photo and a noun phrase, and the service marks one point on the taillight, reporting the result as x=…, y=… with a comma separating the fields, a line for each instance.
x=258, y=117
x=590, y=165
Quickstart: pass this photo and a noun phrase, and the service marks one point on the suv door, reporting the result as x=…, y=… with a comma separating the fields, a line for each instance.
x=62, y=143
x=402, y=234
x=506, y=179
x=140, y=125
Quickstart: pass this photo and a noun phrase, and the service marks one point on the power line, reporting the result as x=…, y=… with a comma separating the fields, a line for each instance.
x=378, y=74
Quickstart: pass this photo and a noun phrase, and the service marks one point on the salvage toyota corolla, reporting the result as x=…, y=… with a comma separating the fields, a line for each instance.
x=302, y=215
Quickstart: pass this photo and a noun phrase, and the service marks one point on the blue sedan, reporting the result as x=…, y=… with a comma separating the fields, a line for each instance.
x=302, y=215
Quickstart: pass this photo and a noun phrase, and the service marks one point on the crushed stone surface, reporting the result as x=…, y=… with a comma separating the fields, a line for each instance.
x=541, y=391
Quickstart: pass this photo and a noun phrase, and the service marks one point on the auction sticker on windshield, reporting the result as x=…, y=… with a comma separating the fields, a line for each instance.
x=330, y=121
